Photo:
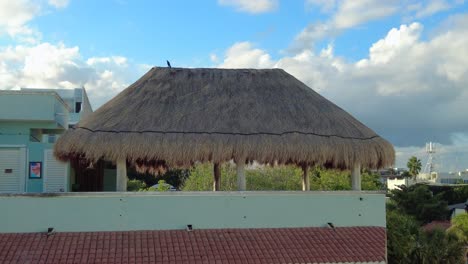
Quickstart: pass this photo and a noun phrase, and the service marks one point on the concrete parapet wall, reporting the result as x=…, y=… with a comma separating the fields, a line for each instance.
x=78, y=212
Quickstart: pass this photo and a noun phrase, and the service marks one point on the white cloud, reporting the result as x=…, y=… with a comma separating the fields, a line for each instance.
x=250, y=6
x=117, y=60
x=214, y=58
x=47, y=65
x=432, y=7
x=428, y=8
x=408, y=89
x=59, y=3
x=348, y=14
x=15, y=14
x=325, y=6
x=392, y=45
x=351, y=13
x=244, y=55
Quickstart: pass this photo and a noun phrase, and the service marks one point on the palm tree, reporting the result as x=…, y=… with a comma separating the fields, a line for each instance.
x=414, y=166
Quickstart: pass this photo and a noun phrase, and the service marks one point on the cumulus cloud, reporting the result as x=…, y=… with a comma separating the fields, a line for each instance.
x=410, y=90
x=59, y=3
x=47, y=65
x=347, y=14
x=244, y=55
x=15, y=15
x=325, y=6
x=252, y=7
x=351, y=13
x=428, y=8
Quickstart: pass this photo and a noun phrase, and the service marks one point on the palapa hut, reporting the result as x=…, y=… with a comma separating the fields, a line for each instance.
x=173, y=117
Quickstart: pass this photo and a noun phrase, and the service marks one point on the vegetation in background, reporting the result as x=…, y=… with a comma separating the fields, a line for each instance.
x=140, y=186
x=418, y=201
x=175, y=177
x=460, y=227
x=438, y=246
x=451, y=194
x=278, y=178
x=407, y=242
x=163, y=186
x=135, y=185
x=402, y=236
x=414, y=166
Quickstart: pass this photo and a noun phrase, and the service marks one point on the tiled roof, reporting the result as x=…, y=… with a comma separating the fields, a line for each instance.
x=276, y=245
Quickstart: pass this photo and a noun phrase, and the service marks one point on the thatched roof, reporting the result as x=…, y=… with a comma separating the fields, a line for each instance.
x=177, y=116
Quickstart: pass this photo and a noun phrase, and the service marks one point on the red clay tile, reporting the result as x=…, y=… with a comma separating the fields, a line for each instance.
x=270, y=245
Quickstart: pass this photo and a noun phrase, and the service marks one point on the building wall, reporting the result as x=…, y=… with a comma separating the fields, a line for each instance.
x=45, y=106
x=24, y=118
x=34, y=152
x=393, y=183
x=86, y=107
x=176, y=210
x=23, y=104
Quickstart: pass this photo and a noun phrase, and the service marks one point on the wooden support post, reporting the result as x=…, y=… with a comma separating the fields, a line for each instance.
x=241, y=184
x=305, y=178
x=356, y=177
x=216, y=177
x=121, y=180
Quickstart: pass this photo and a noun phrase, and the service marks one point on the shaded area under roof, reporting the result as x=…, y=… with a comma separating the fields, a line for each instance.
x=176, y=116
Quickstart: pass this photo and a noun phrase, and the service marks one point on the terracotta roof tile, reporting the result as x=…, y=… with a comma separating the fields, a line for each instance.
x=277, y=245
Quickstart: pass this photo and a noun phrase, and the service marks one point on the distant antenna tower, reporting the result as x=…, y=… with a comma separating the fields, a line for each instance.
x=430, y=150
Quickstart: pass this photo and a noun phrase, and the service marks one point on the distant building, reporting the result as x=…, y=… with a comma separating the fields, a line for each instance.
x=460, y=177
x=394, y=177
x=435, y=178
x=30, y=122
x=396, y=182
x=76, y=99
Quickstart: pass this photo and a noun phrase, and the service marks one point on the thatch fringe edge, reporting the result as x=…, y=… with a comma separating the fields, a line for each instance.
x=183, y=150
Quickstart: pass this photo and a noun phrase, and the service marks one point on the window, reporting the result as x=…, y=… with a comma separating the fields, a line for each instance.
x=77, y=107
x=52, y=138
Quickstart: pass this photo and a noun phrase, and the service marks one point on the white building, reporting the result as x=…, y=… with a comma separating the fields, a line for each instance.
x=442, y=178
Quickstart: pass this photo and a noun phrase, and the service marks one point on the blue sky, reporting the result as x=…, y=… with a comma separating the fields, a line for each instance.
x=182, y=31
x=186, y=31
x=400, y=67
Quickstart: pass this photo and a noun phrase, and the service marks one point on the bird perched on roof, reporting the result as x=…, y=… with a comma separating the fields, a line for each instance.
x=168, y=64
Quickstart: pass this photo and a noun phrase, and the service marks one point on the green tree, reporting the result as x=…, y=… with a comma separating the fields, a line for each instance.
x=408, y=243
x=162, y=186
x=402, y=235
x=262, y=178
x=460, y=227
x=276, y=178
x=371, y=181
x=418, y=201
x=135, y=185
x=437, y=246
x=414, y=166
x=451, y=194
x=174, y=177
